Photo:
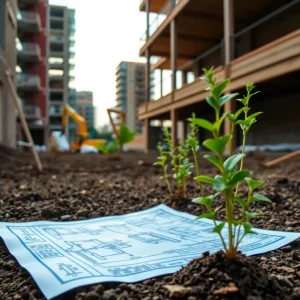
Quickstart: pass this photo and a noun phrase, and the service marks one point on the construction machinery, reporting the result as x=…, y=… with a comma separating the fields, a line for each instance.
x=82, y=135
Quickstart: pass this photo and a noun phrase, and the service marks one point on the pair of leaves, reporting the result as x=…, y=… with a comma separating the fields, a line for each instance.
x=125, y=135
x=219, y=184
x=217, y=145
x=207, y=201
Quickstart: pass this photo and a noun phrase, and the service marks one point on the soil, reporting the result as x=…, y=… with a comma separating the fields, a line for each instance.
x=76, y=187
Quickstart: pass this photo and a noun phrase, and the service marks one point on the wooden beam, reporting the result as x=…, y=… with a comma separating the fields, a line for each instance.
x=282, y=158
x=174, y=119
x=228, y=35
x=147, y=135
x=173, y=51
x=23, y=121
x=148, y=70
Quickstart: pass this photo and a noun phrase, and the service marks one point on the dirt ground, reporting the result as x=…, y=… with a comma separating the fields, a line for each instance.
x=76, y=187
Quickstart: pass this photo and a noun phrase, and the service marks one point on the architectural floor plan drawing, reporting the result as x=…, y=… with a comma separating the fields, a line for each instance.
x=128, y=248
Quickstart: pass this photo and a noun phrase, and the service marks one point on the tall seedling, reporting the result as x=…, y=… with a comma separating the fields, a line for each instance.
x=231, y=170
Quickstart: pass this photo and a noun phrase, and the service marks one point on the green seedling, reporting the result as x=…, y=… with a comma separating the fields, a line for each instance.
x=231, y=170
x=109, y=148
x=125, y=136
x=180, y=163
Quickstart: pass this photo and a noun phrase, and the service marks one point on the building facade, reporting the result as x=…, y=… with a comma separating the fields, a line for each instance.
x=61, y=64
x=32, y=77
x=131, y=91
x=256, y=41
x=85, y=107
x=8, y=34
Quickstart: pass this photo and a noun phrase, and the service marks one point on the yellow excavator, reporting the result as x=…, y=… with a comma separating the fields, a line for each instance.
x=82, y=131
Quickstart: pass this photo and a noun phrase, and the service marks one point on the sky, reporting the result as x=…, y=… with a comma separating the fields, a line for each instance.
x=107, y=32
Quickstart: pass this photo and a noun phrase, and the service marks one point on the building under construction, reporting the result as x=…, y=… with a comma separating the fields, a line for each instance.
x=257, y=41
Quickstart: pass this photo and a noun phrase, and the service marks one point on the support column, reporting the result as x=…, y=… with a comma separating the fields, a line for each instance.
x=228, y=55
x=147, y=135
x=173, y=52
x=184, y=75
x=174, y=119
x=161, y=83
x=148, y=71
x=148, y=4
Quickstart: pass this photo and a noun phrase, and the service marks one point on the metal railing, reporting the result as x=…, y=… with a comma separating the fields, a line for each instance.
x=160, y=87
x=56, y=39
x=28, y=16
x=25, y=80
x=285, y=11
x=159, y=19
x=32, y=111
x=28, y=48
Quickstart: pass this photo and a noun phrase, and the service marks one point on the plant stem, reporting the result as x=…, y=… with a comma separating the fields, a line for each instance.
x=242, y=161
x=231, y=253
x=197, y=172
x=232, y=134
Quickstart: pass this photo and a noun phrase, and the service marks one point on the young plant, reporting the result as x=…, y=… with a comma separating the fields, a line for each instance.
x=125, y=136
x=181, y=165
x=109, y=148
x=230, y=177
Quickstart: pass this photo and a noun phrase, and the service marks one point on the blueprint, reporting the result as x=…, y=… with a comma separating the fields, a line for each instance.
x=129, y=248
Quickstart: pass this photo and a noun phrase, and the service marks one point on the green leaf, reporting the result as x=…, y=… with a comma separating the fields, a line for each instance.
x=219, y=89
x=210, y=215
x=214, y=160
x=212, y=102
x=251, y=215
x=259, y=197
x=253, y=184
x=205, y=179
x=243, y=100
x=193, y=143
x=242, y=202
x=219, y=228
x=230, y=117
x=248, y=228
x=232, y=161
x=204, y=124
x=217, y=145
x=238, y=176
x=125, y=135
x=226, y=98
x=219, y=183
x=255, y=115
x=203, y=200
x=217, y=124
x=158, y=163
x=237, y=113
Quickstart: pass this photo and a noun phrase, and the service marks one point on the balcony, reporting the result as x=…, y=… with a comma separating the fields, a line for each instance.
x=56, y=40
x=26, y=2
x=28, y=21
x=71, y=54
x=155, y=5
x=55, y=110
x=28, y=83
x=32, y=112
x=56, y=53
x=28, y=52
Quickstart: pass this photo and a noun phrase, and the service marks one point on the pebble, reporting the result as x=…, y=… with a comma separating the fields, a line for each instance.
x=286, y=248
x=109, y=295
x=83, y=213
x=273, y=258
x=66, y=217
x=91, y=296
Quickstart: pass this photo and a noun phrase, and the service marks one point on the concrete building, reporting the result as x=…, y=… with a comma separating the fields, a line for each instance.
x=32, y=62
x=256, y=41
x=130, y=91
x=61, y=64
x=8, y=34
x=85, y=107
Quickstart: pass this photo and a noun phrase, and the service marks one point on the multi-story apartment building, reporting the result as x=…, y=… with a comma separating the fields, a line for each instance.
x=61, y=64
x=32, y=68
x=8, y=33
x=130, y=91
x=85, y=107
x=256, y=41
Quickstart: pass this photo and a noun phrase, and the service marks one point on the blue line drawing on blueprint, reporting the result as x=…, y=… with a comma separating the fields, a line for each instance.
x=70, y=270
x=27, y=235
x=45, y=251
x=152, y=238
x=95, y=251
